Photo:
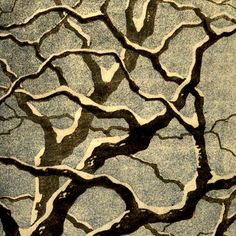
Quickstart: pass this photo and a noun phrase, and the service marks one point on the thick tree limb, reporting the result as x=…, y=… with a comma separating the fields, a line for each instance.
x=169, y=216
x=81, y=177
x=98, y=110
x=10, y=226
x=72, y=219
x=200, y=185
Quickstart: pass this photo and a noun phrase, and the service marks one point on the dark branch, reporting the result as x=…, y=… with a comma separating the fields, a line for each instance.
x=10, y=226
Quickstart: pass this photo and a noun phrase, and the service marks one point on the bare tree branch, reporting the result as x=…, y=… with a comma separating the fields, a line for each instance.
x=6, y=69
x=202, y=233
x=10, y=226
x=139, y=209
x=76, y=223
x=17, y=198
x=98, y=110
x=155, y=232
x=79, y=176
x=140, y=131
x=79, y=224
x=225, y=221
x=43, y=12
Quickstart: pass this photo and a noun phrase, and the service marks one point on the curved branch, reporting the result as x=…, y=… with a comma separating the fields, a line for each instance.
x=9, y=131
x=225, y=221
x=88, y=180
x=10, y=226
x=202, y=233
x=143, y=213
x=42, y=12
x=132, y=84
x=17, y=198
x=155, y=232
x=7, y=70
x=76, y=223
x=100, y=111
x=17, y=81
x=79, y=224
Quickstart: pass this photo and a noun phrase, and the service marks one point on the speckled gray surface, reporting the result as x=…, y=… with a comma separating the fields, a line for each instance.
x=175, y=157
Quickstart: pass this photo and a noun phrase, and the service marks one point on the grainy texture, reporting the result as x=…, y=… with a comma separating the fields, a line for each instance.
x=117, y=117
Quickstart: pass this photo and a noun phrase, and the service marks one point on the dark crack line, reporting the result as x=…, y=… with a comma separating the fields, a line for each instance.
x=17, y=198
x=202, y=233
x=220, y=143
x=157, y=172
x=9, y=131
x=155, y=232
x=223, y=3
x=9, y=11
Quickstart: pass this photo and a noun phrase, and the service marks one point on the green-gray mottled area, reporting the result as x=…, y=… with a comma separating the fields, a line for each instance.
x=175, y=157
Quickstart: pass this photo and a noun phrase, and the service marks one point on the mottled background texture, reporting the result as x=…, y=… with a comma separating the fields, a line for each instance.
x=57, y=131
